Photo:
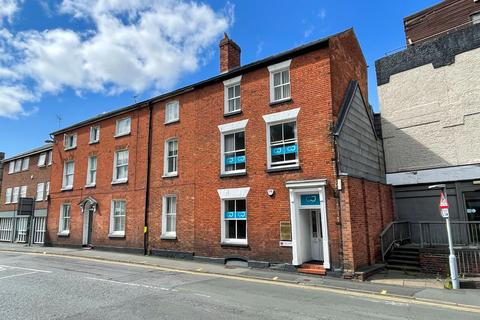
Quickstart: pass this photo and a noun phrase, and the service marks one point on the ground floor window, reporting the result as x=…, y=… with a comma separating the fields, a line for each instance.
x=235, y=220
x=169, y=217
x=117, y=218
x=64, y=225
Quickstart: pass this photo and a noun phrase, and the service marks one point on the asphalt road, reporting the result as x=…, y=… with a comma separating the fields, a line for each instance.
x=46, y=287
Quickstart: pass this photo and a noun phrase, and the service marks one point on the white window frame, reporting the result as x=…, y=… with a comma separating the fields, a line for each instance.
x=25, y=163
x=64, y=180
x=121, y=134
x=175, y=105
x=41, y=191
x=49, y=157
x=11, y=167
x=92, y=134
x=115, y=178
x=89, y=170
x=226, y=129
x=118, y=233
x=23, y=191
x=278, y=118
x=166, y=157
x=42, y=159
x=276, y=68
x=61, y=230
x=66, y=139
x=229, y=84
x=165, y=233
x=233, y=194
x=15, y=194
x=18, y=165
x=8, y=195
x=47, y=190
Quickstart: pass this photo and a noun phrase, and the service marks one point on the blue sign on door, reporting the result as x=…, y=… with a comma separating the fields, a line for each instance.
x=310, y=200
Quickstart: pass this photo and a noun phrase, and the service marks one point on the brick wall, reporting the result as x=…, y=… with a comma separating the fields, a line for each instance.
x=367, y=207
x=30, y=178
x=347, y=63
x=198, y=203
x=104, y=192
x=435, y=261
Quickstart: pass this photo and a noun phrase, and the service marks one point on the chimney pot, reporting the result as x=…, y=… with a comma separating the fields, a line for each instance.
x=229, y=54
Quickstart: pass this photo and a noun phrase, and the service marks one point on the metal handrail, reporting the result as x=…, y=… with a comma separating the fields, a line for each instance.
x=389, y=236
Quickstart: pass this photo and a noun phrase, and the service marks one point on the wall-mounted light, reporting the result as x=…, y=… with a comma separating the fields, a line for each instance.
x=270, y=192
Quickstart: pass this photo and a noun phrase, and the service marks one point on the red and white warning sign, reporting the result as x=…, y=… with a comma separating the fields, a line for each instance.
x=443, y=205
x=443, y=201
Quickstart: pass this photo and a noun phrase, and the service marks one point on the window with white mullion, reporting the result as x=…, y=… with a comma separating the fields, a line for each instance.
x=40, y=191
x=92, y=171
x=171, y=157
x=8, y=196
x=64, y=224
x=68, y=173
x=283, y=144
x=42, y=159
x=233, y=98
x=235, y=219
x=234, y=152
x=120, y=170
x=11, y=167
x=15, y=194
x=169, y=219
x=281, y=85
x=117, y=218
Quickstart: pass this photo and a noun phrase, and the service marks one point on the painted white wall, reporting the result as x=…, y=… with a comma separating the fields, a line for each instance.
x=431, y=117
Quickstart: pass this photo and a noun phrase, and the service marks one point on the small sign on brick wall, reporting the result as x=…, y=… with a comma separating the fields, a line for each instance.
x=285, y=234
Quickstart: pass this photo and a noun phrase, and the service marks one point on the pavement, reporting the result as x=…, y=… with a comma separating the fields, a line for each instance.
x=442, y=298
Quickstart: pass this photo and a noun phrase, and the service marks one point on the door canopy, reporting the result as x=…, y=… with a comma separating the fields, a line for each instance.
x=88, y=203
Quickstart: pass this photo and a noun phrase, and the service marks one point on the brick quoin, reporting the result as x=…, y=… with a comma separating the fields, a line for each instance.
x=318, y=79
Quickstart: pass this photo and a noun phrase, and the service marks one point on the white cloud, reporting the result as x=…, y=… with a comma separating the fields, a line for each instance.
x=322, y=14
x=7, y=9
x=133, y=45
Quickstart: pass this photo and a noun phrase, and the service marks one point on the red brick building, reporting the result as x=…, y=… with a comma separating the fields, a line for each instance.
x=25, y=175
x=276, y=161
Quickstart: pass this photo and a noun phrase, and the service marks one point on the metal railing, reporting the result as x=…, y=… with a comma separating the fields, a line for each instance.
x=395, y=232
x=434, y=233
x=15, y=229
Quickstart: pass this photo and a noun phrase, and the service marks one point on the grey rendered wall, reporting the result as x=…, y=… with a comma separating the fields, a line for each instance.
x=360, y=152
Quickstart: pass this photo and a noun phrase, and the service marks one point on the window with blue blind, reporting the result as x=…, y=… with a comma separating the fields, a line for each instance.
x=234, y=152
x=283, y=144
x=235, y=219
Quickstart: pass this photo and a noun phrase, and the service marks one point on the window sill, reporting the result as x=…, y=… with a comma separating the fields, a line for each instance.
x=63, y=234
x=234, y=244
x=168, y=237
x=277, y=102
x=172, y=121
x=233, y=113
x=280, y=169
x=94, y=142
x=38, y=200
x=93, y=185
x=67, y=189
x=42, y=165
x=234, y=174
x=70, y=148
x=166, y=176
x=122, y=134
x=119, y=182
x=117, y=235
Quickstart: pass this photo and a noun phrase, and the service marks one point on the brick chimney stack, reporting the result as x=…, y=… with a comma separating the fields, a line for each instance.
x=229, y=54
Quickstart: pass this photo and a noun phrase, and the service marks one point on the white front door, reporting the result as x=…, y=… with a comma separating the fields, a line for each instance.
x=316, y=234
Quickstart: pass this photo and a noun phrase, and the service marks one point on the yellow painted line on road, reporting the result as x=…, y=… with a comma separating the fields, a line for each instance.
x=335, y=290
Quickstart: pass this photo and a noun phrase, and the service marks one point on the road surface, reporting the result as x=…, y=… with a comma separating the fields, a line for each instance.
x=49, y=287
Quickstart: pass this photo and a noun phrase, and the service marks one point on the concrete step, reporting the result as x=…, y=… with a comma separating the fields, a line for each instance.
x=403, y=262
x=406, y=249
x=402, y=267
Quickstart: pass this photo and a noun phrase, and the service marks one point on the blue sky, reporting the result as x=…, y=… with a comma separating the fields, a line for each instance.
x=67, y=60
